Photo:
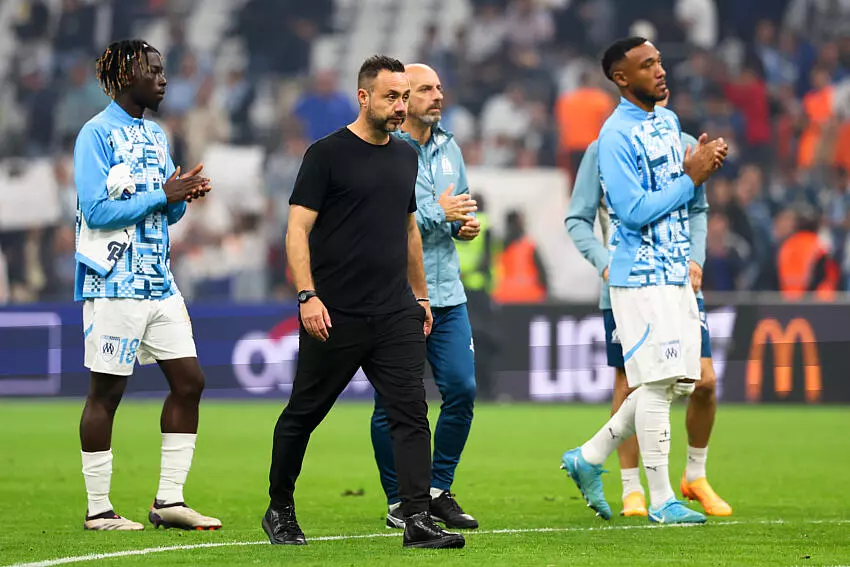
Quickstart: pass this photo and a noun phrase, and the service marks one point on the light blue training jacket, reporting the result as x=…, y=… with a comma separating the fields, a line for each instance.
x=109, y=138
x=587, y=201
x=641, y=167
x=440, y=165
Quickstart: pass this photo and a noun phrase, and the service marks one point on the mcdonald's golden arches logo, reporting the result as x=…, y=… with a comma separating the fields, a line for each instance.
x=783, y=340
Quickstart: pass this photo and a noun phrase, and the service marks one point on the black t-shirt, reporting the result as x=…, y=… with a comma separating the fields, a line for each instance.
x=358, y=246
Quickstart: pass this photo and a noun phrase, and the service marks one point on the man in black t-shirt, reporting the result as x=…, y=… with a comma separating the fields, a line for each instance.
x=356, y=256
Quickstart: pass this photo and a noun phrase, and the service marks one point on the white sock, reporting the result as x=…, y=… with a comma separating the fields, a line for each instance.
x=696, y=463
x=97, y=472
x=177, y=452
x=436, y=492
x=652, y=422
x=394, y=506
x=631, y=481
x=620, y=427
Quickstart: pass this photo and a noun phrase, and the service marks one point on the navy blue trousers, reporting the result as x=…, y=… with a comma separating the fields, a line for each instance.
x=452, y=358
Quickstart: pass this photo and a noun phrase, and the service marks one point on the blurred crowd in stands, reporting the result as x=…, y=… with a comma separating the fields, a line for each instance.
x=523, y=90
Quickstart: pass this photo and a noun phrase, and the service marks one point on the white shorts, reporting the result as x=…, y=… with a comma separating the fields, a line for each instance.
x=659, y=328
x=119, y=331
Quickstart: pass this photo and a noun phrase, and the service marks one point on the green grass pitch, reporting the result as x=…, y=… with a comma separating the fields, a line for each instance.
x=784, y=469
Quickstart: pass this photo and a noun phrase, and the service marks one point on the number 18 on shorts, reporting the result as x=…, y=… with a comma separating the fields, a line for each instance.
x=120, y=331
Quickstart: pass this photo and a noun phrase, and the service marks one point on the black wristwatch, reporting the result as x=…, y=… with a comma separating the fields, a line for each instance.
x=306, y=295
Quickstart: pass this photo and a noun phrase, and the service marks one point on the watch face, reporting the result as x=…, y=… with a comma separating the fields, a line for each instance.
x=304, y=296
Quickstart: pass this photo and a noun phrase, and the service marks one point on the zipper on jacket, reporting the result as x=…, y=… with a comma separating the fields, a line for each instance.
x=428, y=161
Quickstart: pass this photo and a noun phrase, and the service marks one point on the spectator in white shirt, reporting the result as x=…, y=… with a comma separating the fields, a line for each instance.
x=505, y=122
x=486, y=33
x=698, y=18
x=528, y=25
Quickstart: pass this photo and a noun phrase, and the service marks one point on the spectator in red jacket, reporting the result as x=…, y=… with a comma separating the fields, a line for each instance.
x=749, y=95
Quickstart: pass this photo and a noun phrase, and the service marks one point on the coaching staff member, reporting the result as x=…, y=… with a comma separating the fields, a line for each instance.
x=356, y=256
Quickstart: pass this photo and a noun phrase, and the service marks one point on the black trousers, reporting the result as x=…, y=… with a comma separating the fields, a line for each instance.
x=391, y=351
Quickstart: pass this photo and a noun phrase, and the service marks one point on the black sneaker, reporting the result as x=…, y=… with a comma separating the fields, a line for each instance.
x=395, y=518
x=445, y=509
x=282, y=527
x=421, y=531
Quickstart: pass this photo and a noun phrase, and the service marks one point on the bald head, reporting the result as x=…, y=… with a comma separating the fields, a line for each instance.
x=420, y=71
x=426, y=94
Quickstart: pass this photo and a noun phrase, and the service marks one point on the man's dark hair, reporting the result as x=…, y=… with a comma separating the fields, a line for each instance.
x=617, y=52
x=374, y=65
x=808, y=217
x=115, y=67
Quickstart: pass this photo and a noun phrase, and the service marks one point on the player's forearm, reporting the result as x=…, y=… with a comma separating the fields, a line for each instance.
x=415, y=263
x=175, y=212
x=699, y=230
x=698, y=221
x=699, y=204
x=108, y=214
x=637, y=208
x=584, y=204
x=298, y=256
x=581, y=233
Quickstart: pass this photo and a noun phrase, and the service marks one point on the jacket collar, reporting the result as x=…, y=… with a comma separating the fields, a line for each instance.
x=115, y=111
x=633, y=110
x=439, y=136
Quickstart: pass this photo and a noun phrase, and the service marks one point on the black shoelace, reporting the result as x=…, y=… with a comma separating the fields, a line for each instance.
x=454, y=507
x=431, y=524
x=288, y=523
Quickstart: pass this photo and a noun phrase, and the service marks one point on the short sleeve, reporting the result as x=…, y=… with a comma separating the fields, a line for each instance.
x=311, y=185
x=411, y=207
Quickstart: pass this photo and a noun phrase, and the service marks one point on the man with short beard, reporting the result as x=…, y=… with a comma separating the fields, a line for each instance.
x=648, y=179
x=443, y=212
x=586, y=203
x=356, y=257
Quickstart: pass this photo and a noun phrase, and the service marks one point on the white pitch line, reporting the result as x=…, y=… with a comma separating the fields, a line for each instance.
x=150, y=550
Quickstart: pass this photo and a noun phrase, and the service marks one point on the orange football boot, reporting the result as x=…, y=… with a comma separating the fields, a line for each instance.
x=634, y=504
x=702, y=492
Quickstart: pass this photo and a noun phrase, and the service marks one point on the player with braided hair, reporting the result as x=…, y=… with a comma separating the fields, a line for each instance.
x=128, y=193
x=115, y=68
